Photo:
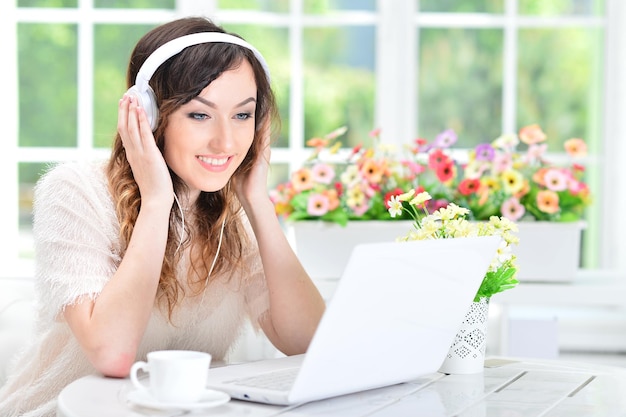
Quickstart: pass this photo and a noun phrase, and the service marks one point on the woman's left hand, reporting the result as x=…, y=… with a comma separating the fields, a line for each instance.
x=254, y=185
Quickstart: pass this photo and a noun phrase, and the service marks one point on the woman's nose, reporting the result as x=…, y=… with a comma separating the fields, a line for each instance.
x=222, y=136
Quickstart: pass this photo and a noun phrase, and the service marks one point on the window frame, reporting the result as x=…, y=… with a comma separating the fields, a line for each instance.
x=395, y=107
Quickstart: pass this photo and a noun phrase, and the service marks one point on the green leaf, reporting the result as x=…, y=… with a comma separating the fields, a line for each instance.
x=497, y=281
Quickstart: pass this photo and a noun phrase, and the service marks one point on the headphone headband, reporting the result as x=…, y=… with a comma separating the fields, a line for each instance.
x=142, y=89
x=171, y=48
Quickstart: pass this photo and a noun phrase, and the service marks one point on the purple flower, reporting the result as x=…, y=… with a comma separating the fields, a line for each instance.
x=445, y=139
x=485, y=152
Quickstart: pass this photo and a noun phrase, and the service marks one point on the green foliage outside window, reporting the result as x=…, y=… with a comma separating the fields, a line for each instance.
x=47, y=73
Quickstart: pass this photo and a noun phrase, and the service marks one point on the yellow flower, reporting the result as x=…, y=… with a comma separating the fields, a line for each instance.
x=356, y=196
x=407, y=196
x=420, y=199
x=513, y=181
x=350, y=175
x=490, y=183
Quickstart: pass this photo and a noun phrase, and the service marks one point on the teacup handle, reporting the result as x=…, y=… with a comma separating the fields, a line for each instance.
x=140, y=365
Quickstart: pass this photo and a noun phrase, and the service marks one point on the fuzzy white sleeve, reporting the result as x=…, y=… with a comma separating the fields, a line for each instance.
x=76, y=235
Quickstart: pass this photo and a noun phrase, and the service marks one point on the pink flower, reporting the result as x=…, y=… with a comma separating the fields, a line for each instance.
x=434, y=205
x=375, y=133
x=336, y=133
x=536, y=151
x=502, y=162
x=317, y=205
x=512, y=209
x=555, y=180
x=323, y=173
x=360, y=207
x=414, y=167
x=576, y=187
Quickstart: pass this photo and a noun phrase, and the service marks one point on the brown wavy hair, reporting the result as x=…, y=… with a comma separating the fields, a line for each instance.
x=176, y=82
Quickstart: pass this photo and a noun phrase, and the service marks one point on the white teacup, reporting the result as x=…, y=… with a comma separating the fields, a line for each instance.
x=176, y=376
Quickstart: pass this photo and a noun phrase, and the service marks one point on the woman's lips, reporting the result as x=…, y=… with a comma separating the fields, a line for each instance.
x=215, y=164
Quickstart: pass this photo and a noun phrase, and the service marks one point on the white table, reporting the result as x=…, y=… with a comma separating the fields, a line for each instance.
x=508, y=387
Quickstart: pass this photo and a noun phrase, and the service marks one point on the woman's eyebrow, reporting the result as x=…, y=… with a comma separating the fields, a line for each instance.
x=213, y=105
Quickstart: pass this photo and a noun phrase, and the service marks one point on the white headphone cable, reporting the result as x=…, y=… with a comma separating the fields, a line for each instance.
x=219, y=245
x=182, y=223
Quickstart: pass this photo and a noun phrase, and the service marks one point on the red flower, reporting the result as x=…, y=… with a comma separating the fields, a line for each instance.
x=356, y=149
x=339, y=188
x=469, y=186
x=437, y=158
x=445, y=171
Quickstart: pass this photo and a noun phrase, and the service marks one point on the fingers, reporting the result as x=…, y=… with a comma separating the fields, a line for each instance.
x=267, y=142
x=133, y=126
x=127, y=124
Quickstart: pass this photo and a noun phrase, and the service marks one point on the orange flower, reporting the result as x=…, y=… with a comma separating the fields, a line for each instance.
x=372, y=171
x=539, y=176
x=302, y=180
x=531, y=134
x=483, y=193
x=576, y=148
x=333, y=199
x=317, y=142
x=548, y=201
x=523, y=191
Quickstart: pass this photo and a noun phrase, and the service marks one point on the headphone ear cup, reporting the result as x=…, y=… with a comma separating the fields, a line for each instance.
x=147, y=100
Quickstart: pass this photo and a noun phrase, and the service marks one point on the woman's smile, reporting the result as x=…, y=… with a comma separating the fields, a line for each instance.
x=215, y=164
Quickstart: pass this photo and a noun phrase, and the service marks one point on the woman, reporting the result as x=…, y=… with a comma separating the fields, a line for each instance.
x=173, y=243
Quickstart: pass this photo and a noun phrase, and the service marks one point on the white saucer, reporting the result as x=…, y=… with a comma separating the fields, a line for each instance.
x=210, y=398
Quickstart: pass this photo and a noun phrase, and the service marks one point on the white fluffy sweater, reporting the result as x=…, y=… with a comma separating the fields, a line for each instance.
x=77, y=251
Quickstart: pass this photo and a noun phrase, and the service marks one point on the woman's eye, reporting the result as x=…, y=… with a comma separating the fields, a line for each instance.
x=243, y=116
x=198, y=116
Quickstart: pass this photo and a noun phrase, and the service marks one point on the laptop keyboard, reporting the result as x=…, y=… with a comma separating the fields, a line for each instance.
x=280, y=380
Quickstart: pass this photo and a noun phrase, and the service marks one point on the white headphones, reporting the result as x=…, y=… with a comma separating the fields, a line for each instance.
x=142, y=89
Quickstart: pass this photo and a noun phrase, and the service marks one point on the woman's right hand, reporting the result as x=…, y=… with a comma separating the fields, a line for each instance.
x=146, y=161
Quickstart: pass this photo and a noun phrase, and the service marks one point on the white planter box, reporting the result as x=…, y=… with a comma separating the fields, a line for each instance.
x=548, y=251
x=324, y=247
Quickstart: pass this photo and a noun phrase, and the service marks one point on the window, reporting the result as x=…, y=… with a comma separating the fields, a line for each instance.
x=412, y=68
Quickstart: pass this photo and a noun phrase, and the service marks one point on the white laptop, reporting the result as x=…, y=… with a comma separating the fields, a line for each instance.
x=392, y=318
